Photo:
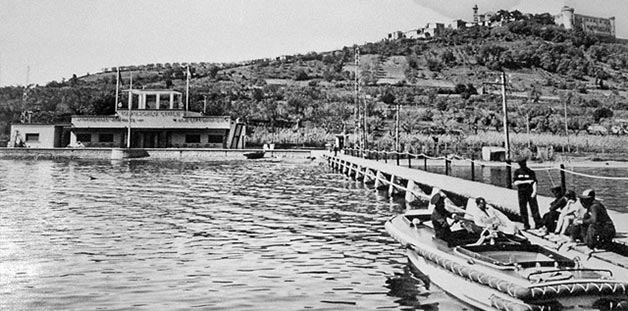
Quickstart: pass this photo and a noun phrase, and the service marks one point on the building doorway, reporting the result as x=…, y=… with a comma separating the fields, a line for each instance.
x=151, y=140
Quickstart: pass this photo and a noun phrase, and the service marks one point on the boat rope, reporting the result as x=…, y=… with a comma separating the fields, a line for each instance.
x=550, y=178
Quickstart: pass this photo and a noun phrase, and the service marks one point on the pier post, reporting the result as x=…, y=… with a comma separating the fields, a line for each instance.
x=379, y=180
x=391, y=186
x=447, y=167
x=411, y=188
x=472, y=168
x=508, y=174
x=425, y=163
x=563, y=184
x=385, y=157
x=397, y=154
x=409, y=163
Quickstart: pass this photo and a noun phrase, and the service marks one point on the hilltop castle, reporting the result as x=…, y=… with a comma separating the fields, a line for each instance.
x=566, y=18
x=594, y=25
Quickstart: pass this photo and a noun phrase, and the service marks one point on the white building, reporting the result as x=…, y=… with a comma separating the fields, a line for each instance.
x=157, y=119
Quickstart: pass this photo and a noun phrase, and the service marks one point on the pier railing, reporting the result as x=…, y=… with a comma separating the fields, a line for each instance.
x=420, y=161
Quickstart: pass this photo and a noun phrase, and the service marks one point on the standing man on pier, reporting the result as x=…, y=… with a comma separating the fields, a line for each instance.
x=526, y=183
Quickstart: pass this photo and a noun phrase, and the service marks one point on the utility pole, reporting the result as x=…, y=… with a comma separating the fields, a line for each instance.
x=505, y=108
x=566, y=127
x=397, y=129
x=128, y=134
x=365, y=144
x=356, y=89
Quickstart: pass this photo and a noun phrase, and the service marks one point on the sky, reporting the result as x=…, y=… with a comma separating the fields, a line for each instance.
x=46, y=40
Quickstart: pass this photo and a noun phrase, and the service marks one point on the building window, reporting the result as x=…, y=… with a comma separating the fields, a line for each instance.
x=84, y=138
x=32, y=138
x=192, y=138
x=214, y=139
x=105, y=138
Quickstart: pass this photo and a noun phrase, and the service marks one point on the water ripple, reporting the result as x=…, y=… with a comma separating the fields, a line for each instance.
x=244, y=235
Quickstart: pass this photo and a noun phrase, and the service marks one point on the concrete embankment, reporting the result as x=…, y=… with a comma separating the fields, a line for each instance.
x=182, y=154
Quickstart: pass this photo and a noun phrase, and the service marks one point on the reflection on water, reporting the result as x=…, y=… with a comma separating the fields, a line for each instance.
x=210, y=236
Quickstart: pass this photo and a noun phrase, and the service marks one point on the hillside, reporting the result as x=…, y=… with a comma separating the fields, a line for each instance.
x=447, y=83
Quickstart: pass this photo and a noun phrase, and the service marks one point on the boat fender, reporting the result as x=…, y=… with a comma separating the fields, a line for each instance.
x=471, y=262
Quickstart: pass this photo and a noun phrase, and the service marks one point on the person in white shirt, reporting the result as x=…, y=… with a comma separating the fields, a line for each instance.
x=573, y=210
x=489, y=217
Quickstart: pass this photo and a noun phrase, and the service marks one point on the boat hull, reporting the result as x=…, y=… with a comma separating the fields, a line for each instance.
x=486, y=287
x=254, y=155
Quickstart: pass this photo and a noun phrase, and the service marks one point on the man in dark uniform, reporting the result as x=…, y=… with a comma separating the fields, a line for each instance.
x=439, y=217
x=526, y=183
x=596, y=229
x=551, y=217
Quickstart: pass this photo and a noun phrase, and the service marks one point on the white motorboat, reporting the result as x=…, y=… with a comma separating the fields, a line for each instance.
x=498, y=271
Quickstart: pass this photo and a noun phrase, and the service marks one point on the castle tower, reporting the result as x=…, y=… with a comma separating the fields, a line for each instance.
x=567, y=17
x=612, y=21
x=475, y=14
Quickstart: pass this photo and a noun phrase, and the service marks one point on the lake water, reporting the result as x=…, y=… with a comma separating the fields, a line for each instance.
x=254, y=235
x=243, y=235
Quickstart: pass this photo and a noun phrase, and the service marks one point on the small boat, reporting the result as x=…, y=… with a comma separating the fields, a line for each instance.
x=497, y=271
x=254, y=155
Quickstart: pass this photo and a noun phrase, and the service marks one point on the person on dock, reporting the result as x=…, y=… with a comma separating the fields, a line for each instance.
x=596, y=229
x=442, y=228
x=525, y=180
x=489, y=217
x=550, y=218
x=573, y=210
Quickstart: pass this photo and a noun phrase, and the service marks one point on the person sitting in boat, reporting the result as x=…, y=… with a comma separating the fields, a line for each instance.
x=442, y=228
x=596, y=229
x=550, y=218
x=491, y=218
x=572, y=211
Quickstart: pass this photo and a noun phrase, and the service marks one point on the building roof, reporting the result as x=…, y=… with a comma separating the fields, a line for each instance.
x=155, y=91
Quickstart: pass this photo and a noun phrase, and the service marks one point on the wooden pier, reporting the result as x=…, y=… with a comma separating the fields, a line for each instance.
x=418, y=185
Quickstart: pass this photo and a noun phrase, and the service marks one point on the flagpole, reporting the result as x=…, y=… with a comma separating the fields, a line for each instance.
x=187, y=88
x=128, y=134
x=117, y=88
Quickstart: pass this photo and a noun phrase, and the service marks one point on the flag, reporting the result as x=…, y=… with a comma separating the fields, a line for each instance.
x=187, y=72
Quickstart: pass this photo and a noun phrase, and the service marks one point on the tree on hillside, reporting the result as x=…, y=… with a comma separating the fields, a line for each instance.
x=601, y=113
x=448, y=58
x=388, y=98
x=434, y=65
x=301, y=75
